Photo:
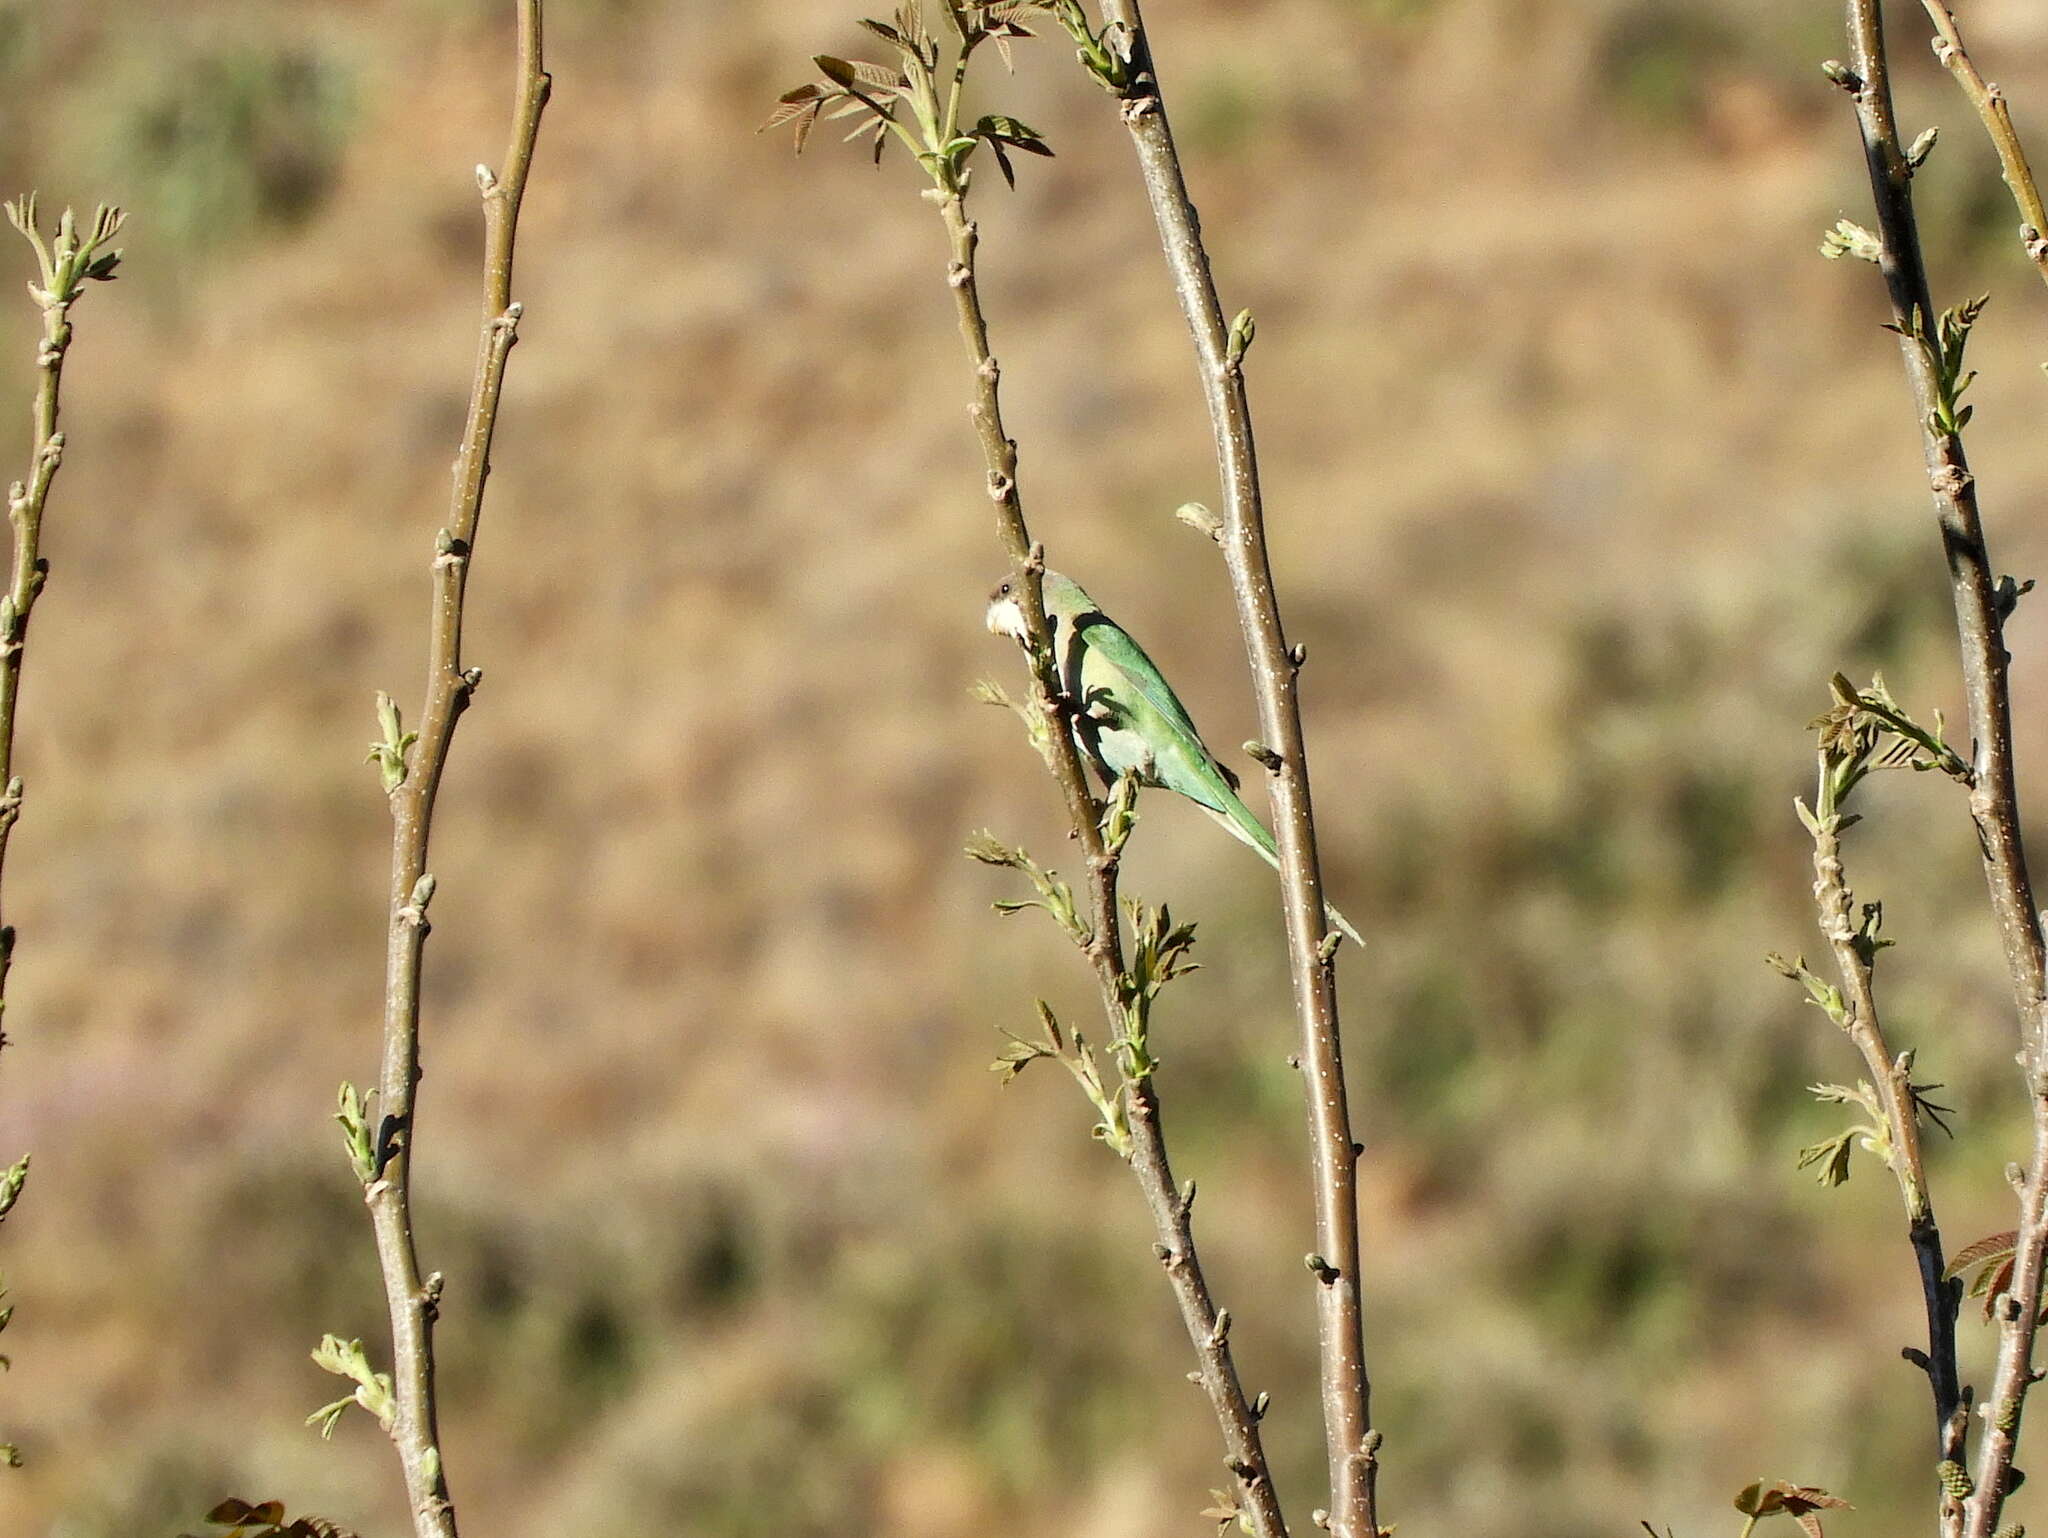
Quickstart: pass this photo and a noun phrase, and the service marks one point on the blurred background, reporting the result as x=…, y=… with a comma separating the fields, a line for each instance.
x=1584, y=472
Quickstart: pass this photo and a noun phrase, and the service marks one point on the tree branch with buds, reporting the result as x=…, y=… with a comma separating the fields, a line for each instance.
x=1866, y=730
x=1990, y=104
x=380, y=1133
x=1119, y=56
x=1932, y=350
x=66, y=261
x=919, y=102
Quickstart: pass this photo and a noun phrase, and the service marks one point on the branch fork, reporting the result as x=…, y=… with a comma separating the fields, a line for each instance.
x=1971, y=1505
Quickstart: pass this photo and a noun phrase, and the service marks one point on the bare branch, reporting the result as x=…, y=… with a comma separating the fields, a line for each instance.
x=413, y=1299
x=65, y=263
x=1997, y=118
x=1122, y=59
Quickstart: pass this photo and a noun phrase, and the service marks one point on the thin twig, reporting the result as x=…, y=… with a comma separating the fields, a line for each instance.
x=1171, y=1211
x=1994, y=802
x=1854, y=949
x=1352, y=1443
x=65, y=265
x=1997, y=117
x=414, y=1300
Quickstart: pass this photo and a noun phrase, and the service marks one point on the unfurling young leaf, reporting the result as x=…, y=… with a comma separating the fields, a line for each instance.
x=801, y=105
x=1198, y=517
x=1243, y=328
x=353, y=1112
x=69, y=261
x=1819, y=992
x=1832, y=1157
x=1224, y=1511
x=1016, y=1057
x=1103, y=54
x=12, y=1179
x=852, y=88
x=1992, y=1259
x=389, y=753
x=266, y=1520
x=1120, y=815
x=1866, y=730
x=1847, y=239
x=1054, y=895
x=234, y=1513
x=1944, y=351
x=1022, y=136
x=1002, y=134
x=1112, y=1113
x=1021, y=1053
x=347, y=1359
x=840, y=72
x=1803, y=1503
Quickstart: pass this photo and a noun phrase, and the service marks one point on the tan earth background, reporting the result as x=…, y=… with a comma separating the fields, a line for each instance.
x=1585, y=471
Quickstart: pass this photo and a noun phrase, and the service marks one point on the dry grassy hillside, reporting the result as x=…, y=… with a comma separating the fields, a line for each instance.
x=1584, y=472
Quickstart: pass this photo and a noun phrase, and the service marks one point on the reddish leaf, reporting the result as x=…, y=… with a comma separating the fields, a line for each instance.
x=1984, y=1249
x=2000, y=1283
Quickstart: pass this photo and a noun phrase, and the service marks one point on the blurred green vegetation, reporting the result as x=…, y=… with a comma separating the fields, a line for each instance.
x=218, y=137
x=1661, y=58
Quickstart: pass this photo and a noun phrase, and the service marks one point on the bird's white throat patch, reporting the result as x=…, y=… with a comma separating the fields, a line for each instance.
x=1006, y=617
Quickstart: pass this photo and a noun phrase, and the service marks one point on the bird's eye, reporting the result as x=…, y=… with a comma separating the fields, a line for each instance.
x=1004, y=590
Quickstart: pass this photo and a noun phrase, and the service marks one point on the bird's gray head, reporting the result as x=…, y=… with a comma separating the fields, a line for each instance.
x=1005, y=614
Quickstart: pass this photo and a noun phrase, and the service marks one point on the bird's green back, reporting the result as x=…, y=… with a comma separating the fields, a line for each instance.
x=1075, y=612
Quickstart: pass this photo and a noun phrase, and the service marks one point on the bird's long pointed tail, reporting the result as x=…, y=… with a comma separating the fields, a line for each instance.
x=1253, y=833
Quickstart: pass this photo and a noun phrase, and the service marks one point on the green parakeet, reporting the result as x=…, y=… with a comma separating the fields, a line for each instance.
x=1127, y=717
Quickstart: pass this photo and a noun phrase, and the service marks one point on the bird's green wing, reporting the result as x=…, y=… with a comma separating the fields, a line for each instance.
x=1114, y=664
x=1114, y=645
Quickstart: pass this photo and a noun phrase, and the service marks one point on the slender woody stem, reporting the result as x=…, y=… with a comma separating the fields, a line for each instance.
x=65, y=264
x=2013, y=1372
x=414, y=1300
x=1171, y=1209
x=27, y=573
x=1994, y=804
x=1352, y=1443
x=1890, y=1075
x=1997, y=117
